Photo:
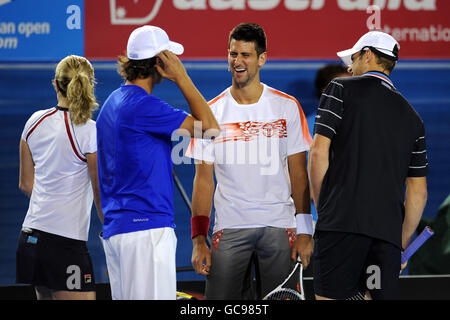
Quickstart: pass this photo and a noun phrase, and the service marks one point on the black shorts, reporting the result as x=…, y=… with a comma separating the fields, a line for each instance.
x=346, y=264
x=55, y=262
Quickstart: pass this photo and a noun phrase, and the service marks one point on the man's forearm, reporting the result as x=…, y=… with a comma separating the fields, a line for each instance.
x=202, y=196
x=299, y=182
x=415, y=201
x=301, y=197
x=317, y=167
x=318, y=163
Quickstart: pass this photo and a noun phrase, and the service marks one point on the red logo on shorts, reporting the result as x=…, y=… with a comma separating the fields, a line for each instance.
x=291, y=236
x=216, y=239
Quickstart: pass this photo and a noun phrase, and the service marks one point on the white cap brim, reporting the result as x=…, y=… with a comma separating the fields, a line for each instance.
x=176, y=47
x=379, y=41
x=346, y=55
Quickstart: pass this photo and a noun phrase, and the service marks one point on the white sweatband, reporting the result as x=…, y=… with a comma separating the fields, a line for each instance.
x=304, y=223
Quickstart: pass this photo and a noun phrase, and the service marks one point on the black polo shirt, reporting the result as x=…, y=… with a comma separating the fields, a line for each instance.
x=377, y=141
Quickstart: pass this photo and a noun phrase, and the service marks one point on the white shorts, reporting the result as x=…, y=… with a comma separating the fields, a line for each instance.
x=141, y=264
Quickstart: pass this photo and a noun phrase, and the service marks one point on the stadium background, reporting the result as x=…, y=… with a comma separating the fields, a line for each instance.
x=302, y=37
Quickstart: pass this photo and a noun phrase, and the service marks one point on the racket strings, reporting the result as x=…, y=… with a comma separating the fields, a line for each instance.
x=291, y=288
x=357, y=297
x=284, y=294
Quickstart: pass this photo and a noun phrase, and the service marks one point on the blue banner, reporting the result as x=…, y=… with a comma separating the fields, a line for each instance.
x=44, y=30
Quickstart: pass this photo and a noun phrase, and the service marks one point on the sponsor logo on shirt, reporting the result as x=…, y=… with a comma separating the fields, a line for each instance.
x=247, y=131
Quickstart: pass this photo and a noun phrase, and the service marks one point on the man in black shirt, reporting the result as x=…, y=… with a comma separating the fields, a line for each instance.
x=368, y=144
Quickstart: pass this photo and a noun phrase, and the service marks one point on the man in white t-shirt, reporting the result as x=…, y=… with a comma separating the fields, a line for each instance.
x=262, y=201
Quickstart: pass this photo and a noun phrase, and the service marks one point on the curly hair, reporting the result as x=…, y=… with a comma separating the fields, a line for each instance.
x=136, y=69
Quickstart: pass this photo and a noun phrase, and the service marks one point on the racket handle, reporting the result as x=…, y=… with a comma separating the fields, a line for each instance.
x=418, y=241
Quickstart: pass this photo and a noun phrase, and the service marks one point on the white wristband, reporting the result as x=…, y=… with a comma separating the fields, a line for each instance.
x=304, y=223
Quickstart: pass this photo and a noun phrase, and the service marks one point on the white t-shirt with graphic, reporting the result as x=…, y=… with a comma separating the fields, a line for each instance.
x=250, y=159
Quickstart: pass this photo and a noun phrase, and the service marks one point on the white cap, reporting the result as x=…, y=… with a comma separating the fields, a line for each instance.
x=147, y=41
x=383, y=43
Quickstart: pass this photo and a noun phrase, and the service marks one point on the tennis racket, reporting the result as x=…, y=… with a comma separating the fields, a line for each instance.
x=417, y=243
x=282, y=292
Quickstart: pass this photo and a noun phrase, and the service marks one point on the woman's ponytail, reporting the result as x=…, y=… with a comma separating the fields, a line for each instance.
x=74, y=78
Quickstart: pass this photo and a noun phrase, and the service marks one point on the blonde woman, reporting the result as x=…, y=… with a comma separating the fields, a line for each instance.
x=58, y=171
